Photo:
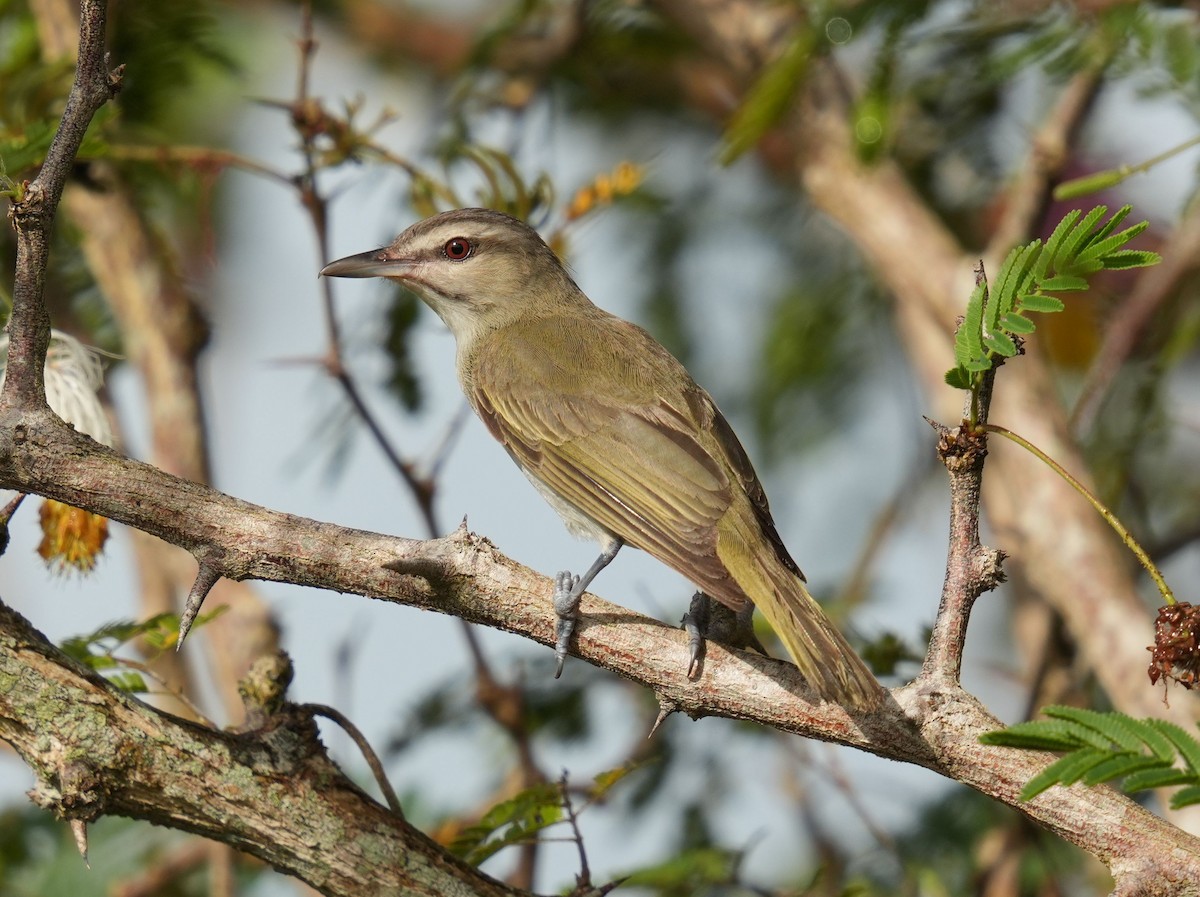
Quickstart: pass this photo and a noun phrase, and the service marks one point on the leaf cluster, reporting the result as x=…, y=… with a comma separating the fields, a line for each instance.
x=97, y=649
x=524, y=816
x=997, y=317
x=1102, y=747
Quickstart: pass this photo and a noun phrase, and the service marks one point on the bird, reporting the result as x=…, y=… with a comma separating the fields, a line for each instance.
x=612, y=430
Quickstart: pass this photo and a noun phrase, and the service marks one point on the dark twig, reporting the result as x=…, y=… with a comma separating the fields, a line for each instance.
x=33, y=213
x=364, y=746
x=971, y=569
x=583, y=880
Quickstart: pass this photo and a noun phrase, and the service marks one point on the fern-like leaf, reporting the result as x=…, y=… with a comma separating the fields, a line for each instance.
x=1185, y=797
x=968, y=341
x=1131, y=258
x=1042, y=268
x=1046, y=304
x=1064, y=771
x=1183, y=742
x=1102, y=747
x=1063, y=283
x=1015, y=322
x=1080, y=246
x=1074, y=241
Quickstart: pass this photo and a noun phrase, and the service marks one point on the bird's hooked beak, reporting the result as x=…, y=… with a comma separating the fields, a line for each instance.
x=375, y=263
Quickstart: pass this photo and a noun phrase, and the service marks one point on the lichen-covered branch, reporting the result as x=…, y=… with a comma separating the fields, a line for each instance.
x=271, y=792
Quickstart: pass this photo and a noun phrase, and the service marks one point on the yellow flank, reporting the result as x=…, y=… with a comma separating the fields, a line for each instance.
x=821, y=653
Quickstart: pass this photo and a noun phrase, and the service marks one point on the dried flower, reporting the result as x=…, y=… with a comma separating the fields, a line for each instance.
x=74, y=374
x=1175, y=653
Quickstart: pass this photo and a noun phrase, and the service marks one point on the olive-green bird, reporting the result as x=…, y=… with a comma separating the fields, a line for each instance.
x=611, y=429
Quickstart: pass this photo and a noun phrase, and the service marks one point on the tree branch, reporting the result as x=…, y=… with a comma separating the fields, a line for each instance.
x=32, y=214
x=932, y=724
x=271, y=792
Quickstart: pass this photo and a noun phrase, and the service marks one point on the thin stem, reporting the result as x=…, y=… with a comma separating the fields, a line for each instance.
x=584, y=878
x=364, y=746
x=1103, y=510
x=33, y=213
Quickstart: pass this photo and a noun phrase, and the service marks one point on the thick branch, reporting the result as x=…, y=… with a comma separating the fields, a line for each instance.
x=932, y=724
x=272, y=793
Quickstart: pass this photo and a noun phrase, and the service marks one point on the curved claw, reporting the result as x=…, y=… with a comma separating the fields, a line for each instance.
x=566, y=611
x=695, y=623
x=707, y=619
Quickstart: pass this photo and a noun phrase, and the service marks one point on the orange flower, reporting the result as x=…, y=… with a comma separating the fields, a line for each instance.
x=71, y=537
x=605, y=188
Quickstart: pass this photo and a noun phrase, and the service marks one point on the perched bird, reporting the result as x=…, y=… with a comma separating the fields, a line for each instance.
x=611, y=429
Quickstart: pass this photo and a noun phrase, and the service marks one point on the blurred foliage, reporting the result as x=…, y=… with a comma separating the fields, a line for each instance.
x=38, y=858
x=975, y=840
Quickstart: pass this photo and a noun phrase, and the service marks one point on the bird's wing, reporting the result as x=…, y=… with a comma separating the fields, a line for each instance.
x=641, y=466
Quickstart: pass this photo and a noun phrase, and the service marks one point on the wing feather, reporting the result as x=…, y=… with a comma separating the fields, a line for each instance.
x=640, y=469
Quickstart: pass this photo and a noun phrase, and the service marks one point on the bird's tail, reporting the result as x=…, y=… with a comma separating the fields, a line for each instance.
x=822, y=653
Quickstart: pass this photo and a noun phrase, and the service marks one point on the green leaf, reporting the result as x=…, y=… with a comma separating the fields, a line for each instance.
x=604, y=781
x=1109, y=226
x=1015, y=277
x=1037, y=302
x=1117, y=728
x=1184, y=742
x=1131, y=258
x=1064, y=771
x=1156, y=778
x=959, y=378
x=687, y=873
x=129, y=681
x=1063, y=283
x=968, y=339
x=1185, y=797
x=1040, y=734
x=98, y=662
x=1159, y=744
x=1098, y=249
x=1091, y=183
x=513, y=821
x=1179, y=52
x=1013, y=322
x=1074, y=241
x=770, y=96
x=1119, y=765
x=1001, y=344
x=1053, y=244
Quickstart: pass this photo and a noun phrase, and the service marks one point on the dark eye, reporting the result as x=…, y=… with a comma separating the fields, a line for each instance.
x=457, y=249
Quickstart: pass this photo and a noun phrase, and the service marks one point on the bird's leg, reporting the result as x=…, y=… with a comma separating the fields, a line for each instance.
x=708, y=618
x=568, y=589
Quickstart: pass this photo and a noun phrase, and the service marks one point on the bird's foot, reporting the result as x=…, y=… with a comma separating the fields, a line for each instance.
x=567, y=593
x=708, y=618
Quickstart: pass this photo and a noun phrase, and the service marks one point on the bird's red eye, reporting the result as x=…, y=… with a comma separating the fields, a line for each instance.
x=457, y=249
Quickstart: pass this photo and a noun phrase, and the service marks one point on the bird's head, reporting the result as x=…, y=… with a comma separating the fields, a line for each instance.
x=478, y=269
